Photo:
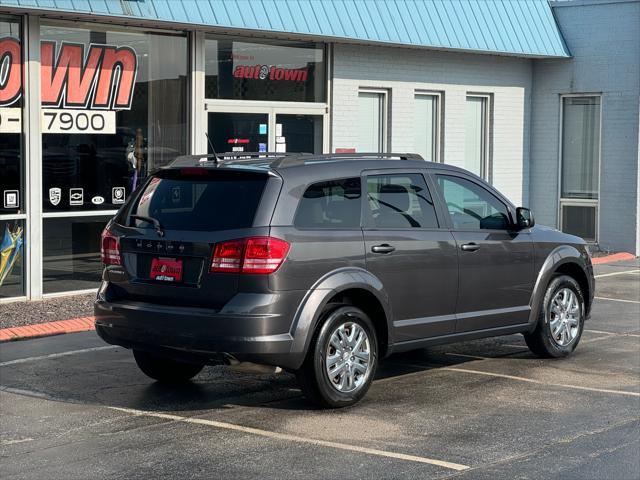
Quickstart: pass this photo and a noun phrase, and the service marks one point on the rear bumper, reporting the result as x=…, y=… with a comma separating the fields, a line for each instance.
x=195, y=334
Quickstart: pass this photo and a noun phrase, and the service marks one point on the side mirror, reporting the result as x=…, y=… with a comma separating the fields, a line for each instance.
x=524, y=218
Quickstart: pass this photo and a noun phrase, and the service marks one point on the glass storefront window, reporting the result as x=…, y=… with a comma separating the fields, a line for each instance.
x=580, y=147
x=114, y=109
x=371, y=121
x=284, y=71
x=12, y=241
x=11, y=159
x=475, y=136
x=71, y=253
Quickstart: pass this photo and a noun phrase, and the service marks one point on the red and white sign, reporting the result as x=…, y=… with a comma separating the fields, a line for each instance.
x=271, y=72
x=80, y=90
x=166, y=269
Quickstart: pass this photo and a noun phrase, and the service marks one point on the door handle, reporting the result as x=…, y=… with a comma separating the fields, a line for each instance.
x=470, y=247
x=384, y=248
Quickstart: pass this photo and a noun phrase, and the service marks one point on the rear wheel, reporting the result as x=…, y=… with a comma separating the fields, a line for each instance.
x=342, y=359
x=164, y=369
x=560, y=321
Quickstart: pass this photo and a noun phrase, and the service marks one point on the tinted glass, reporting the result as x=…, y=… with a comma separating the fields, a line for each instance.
x=579, y=220
x=238, y=132
x=334, y=204
x=12, y=242
x=11, y=159
x=288, y=71
x=580, y=147
x=400, y=201
x=370, y=122
x=108, y=125
x=470, y=206
x=201, y=203
x=71, y=251
x=300, y=133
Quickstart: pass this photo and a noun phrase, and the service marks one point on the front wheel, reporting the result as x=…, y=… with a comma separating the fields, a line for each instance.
x=164, y=369
x=560, y=321
x=342, y=359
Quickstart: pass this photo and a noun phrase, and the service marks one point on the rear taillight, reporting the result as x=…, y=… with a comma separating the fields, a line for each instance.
x=260, y=255
x=227, y=256
x=110, y=248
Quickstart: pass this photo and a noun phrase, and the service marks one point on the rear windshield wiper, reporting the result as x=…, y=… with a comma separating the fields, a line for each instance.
x=153, y=221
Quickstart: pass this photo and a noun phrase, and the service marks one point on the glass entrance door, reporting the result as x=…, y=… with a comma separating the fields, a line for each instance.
x=298, y=133
x=269, y=130
x=238, y=132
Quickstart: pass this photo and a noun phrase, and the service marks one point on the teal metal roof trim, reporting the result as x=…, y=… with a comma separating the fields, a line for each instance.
x=507, y=27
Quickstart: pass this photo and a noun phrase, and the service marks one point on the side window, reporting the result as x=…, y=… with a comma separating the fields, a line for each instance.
x=334, y=204
x=470, y=206
x=400, y=201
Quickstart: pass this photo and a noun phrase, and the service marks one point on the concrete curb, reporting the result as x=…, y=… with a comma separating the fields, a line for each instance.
x=616, y=257
x=82, y=324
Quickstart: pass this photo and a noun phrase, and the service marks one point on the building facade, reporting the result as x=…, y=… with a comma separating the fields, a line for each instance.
x=540, y=99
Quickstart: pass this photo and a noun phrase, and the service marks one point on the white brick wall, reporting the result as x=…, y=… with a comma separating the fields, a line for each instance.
x=604, y=39
x=403, y=71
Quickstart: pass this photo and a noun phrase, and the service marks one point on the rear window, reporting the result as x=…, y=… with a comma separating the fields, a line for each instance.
x=200, y=201
x=334, y=204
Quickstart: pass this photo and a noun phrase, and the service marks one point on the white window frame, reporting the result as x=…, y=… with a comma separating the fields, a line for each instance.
x=577, y=202
x=384, y=114
x=485, y=165
x=438, y=121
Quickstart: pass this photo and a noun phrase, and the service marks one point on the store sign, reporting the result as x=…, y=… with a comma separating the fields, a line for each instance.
x=271, y=72
x=10, y=85
x=80, y=91
x=10, y=120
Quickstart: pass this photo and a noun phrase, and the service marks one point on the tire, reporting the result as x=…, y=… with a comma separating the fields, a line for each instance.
x=165, y=370
x=315, y=379
x=562, y=311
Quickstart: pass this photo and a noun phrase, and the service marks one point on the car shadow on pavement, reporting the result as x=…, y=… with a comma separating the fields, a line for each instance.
x=111, y=378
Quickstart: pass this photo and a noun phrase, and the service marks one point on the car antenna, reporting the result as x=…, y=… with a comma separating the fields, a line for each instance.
x=215, y=155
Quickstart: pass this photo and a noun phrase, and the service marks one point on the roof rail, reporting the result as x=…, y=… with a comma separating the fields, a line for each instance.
x=285, y=159
x=304, y=158
x=216, y=158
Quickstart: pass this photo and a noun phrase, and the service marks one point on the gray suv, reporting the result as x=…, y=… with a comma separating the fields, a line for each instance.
x=324, y=264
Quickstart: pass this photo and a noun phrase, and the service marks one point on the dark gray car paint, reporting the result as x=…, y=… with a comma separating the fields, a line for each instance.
x=271, y=319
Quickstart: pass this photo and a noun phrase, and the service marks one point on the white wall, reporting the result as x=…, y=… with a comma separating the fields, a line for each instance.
x=402, y=71
x=604, y=39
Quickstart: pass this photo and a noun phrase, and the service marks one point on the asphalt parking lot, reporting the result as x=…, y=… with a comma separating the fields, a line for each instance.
x=73, y=407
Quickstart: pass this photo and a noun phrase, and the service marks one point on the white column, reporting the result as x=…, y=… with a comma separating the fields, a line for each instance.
x=197, y=113
x=33, y=156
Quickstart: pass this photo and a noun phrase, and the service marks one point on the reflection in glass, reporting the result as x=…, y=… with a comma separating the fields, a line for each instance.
x=300, y=133
x=288, y=71
x=11, y=258
x=238, y=132
x=580, y=220
x=580, y=147
x=71, y=251
x=149, y=133
x=11, y=167
x=475, y=145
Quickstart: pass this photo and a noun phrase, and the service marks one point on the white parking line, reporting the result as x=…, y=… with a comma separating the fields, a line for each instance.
x=616, y=299
x=475, y=357
x=600, y=331
x=294, y=438
x=539, y=382
x=626, y=272
x=56, y=355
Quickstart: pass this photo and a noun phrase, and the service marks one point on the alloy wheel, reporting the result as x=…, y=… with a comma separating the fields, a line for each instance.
x=564, y=317
x=348, y=357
